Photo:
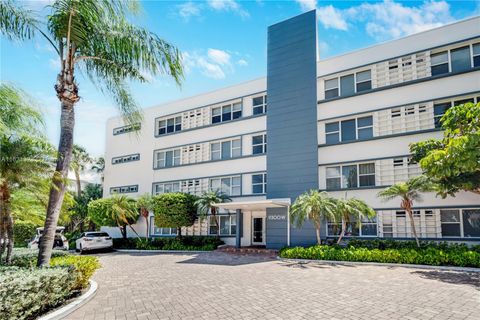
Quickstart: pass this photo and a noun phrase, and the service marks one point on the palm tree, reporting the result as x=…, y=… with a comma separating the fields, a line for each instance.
x=346, y=210
x=99, y=166
x=408, y=192
x=123, y=211
x=314, y=206
x=95, y=37
x=24, y=155
x=80, y=160
x=205, y=204
x=145, y=204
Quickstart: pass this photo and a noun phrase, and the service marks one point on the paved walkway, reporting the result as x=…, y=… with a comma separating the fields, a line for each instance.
x=223, y=286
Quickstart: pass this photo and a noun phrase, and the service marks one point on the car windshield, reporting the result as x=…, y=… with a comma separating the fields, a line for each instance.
x=97, y=234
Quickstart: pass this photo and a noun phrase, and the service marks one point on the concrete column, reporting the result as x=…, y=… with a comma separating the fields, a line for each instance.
x=238, y=234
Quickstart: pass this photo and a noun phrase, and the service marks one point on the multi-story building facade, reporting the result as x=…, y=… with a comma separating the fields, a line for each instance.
x=342, y=124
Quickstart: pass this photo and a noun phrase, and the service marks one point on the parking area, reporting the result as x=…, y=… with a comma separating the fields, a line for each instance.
x=225, y=286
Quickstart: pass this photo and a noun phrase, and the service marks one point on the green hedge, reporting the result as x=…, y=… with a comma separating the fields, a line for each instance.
x=463, y=257
x=383, y=244
x=84, y=267
x=193, y=243
x=23, y=257
x=26, y=293
x=23, y=232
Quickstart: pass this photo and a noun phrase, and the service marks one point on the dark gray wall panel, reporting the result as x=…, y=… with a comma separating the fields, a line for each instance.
x=292, y=158
x=276, y=226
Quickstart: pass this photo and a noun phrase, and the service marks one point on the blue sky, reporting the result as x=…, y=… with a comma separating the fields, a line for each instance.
x=223, y=43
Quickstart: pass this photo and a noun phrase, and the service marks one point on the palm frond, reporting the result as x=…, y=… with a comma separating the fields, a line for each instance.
x=17, y=23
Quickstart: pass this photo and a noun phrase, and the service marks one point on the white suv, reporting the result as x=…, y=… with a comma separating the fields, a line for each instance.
x=94, y=240
x=59, y=243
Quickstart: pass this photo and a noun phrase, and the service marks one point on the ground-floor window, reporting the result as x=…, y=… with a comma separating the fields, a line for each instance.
x=164, y=231
x=227, y=224
x=365, y=228
x=431, y=223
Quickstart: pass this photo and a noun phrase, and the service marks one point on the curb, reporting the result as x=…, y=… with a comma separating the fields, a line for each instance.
x=74, y=305
x=159, y=251
x=379, y=264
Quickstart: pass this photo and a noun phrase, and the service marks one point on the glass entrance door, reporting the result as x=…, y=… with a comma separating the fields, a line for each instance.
x=257, y=231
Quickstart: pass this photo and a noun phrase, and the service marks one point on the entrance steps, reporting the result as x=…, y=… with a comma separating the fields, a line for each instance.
x=248, y=250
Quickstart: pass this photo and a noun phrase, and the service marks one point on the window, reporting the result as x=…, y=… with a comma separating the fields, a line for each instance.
x=123, y=159
x=228, y=185
x=169, y=158
x=331, y=88
x=227, y=223
x=369, y=227
x=225, y=149
x=260, y=105
x=439, y=110
x=259, y=183
x=476, y=54
x=332, y=132
x=463, y=101
x=366, y=174
x=349, y=176
x=164, y=231
x=259, y=144
x=348, y=130
x=398, y=162
x=396, y=113
x=226, y=113
x=471, y=223
x=170, y=125
x=439, y=63
x=352, y=228
x=460, y=59
x=333, y=178
x=365, y=127
x=364, y=80
x=127, y=129
x=347, y=85
x=168, y=187
x=450, y=223
x=124, y=189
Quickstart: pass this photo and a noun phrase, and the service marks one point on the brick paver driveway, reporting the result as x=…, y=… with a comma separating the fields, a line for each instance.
x=223, y=286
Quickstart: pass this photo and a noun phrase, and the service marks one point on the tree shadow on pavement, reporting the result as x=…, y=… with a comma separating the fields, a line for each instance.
x=452, y=277
x=307, y=265
x=226, y=259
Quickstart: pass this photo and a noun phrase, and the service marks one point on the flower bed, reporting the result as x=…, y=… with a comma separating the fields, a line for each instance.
x=27, y=291
x=385, y=252
x=185, y=243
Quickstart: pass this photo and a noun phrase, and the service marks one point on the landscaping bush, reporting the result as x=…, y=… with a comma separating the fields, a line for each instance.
x=28, y=292
x=84, y=267
x=23, y=232
x=174, y=210
x=23, y=257
x=451, y=255
x=197, y=243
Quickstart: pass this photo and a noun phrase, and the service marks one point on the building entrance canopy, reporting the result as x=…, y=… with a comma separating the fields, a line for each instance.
x=257, y=205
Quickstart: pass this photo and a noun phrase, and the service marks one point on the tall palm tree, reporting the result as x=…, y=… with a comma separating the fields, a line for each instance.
x=408, y=192
x=99, y=166
x=80, y=160
x=314, y=206
x=205, y=204
x=350, y=210
x=145, y=204
x=95, y=37
x=24, y=155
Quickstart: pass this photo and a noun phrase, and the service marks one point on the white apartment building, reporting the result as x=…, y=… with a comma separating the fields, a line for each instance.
x=342, y=124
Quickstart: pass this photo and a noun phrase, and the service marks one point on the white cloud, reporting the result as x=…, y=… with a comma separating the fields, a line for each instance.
x=188, y=10
x=228, y=5
x=384, y=20
x=323, y=47
x=332, y=18
x=219, y=56
x=242, y=62
x=204, y=64
x=54, y=64
x=307, y=5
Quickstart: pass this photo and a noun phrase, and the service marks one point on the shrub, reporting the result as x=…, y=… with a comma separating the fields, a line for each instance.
x=23, y=232
x=174, y=210
x=26, y=292
x=448, y=255
x=199, y=243
x=23, y=257
x=84, y=267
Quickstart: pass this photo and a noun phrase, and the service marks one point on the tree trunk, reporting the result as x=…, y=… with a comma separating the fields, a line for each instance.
x=79, y=185
x=67, y=93
x=412, y=224
x=342, y=233
x=6, y=224
x=123, y=230
x=317, y=232
x=214, y=214
x=9, y=236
